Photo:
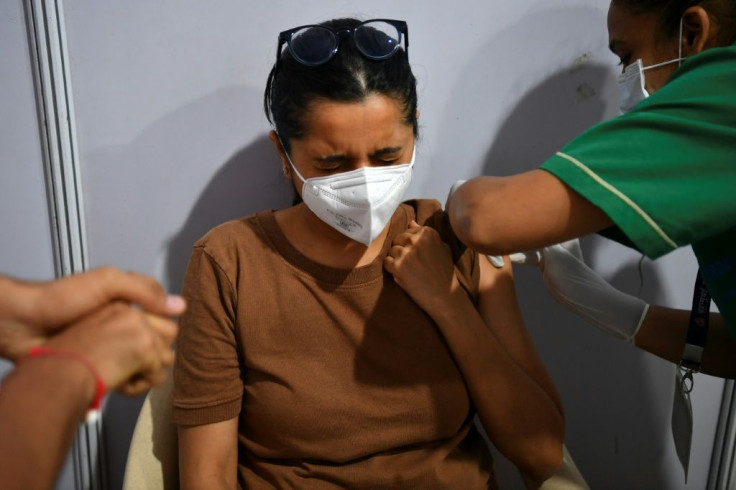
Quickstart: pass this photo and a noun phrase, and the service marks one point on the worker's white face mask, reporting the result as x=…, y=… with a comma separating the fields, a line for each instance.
x=359, y=203
x=631, y=89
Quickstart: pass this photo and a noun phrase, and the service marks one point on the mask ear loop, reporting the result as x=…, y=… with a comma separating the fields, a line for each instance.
x=678, y=60
x=291, y=163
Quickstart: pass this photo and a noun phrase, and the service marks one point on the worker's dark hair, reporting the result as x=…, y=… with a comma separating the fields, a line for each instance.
x=722, y=12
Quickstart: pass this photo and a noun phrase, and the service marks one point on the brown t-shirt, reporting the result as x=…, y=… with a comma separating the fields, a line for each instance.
x=338, y=378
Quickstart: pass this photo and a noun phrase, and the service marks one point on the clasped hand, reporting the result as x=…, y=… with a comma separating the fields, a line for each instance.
x=421, y=264
x=120, y=321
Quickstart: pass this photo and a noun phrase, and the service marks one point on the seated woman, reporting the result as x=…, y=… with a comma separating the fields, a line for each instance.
x=350, y=340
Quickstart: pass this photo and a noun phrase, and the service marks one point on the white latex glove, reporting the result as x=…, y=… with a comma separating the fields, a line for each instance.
x=578, y=288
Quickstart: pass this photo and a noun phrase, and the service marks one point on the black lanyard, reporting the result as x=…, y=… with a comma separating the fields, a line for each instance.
x=697, y=330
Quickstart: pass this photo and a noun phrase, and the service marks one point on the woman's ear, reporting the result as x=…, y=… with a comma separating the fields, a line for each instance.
x=698, y=32
x=274, y=137
x=285, y=166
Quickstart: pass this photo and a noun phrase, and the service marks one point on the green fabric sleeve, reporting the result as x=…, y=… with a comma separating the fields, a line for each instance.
x=665, y=173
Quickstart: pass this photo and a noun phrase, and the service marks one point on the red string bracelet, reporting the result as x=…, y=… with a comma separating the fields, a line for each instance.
x=94, y=407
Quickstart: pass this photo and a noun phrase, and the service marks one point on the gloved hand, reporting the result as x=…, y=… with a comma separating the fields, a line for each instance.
x=578, y=288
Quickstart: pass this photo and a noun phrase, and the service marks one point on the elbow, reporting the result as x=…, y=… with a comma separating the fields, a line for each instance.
x=464, y=225
x=541, y=463
x=469, y=218
x=472, y=229
x=476, y=215
x=539, y=456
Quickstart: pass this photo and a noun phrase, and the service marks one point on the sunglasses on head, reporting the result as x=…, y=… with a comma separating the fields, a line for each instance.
x=314, y=45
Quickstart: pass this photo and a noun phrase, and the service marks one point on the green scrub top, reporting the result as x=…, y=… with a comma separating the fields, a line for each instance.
x=665, y=172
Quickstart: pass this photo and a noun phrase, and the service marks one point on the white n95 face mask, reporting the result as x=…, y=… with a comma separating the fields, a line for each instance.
x=359, y=203
x=631, y=89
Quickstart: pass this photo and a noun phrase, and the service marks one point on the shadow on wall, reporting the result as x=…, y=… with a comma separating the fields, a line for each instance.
x=250, y=181
x=544, y=120
x=616, y=428
x=502, y=94
x=168, y=157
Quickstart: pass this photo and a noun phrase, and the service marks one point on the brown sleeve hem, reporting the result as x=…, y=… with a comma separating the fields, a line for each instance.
x=206, y=415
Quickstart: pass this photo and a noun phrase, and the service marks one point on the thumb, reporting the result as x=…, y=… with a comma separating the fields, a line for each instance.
x=532, y=257
x=573, y=246
x=413, y=225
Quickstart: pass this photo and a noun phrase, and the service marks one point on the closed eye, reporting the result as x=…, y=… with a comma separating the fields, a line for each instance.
x=617, y=47
x=331, y=163
x=386, y=161
x=387, y=156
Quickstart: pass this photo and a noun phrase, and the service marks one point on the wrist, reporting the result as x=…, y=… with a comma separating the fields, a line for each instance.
x=94, y=386
x=447, y=306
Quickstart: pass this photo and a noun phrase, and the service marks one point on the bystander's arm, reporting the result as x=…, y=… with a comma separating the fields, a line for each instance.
x=41, y=404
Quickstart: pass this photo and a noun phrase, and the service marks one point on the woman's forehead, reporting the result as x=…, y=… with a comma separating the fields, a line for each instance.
x=377, y=118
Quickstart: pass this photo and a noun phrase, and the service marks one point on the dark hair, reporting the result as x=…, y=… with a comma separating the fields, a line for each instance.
x=723, y=12
x=348, y=77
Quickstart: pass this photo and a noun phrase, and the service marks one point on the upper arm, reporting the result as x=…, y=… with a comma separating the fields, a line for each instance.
x=501, y=215
x=208, y=455
x=207, y=379
x=499, y=308
x=208, y=385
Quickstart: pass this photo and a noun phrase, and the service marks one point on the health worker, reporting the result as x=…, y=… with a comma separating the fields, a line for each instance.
x=660, y=176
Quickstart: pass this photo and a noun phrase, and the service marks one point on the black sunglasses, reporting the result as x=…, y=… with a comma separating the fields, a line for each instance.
x=313, y=45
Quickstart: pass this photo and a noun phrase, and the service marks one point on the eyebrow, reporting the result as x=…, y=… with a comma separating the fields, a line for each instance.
x=332, y=159
x=387, y=151
x=380, y=152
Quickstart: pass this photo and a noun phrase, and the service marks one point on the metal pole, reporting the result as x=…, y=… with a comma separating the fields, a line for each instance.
x=50, y=62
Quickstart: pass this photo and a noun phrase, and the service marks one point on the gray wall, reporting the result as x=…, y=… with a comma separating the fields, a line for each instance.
x=173, y=141
x=25, y=237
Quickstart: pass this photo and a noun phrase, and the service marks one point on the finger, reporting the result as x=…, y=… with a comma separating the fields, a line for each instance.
x=148, y=350
x=518, y=258
x=123, y=343
x=497, y=261
x=153, y=374
x=389, y=263
x=428, y=231
x=100, y=286
x=135, y=387
x=61, y=302
x=154, y=300
x=573, y=246
x=399, y=251
x=156, y=377
x=154, y=363
x=533, y=258
x=395, y=252
x=166, y=329
x=413, y=225
x=404, y=239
